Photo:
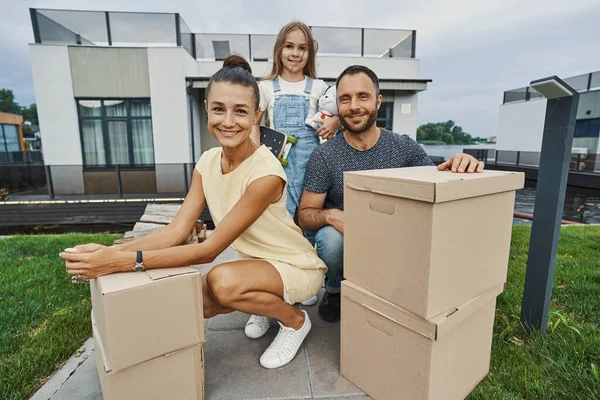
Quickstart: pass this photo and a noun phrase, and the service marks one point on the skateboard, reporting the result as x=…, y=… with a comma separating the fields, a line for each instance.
x=277, y=142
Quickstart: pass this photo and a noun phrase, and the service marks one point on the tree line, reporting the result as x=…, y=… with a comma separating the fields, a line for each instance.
x=444, y=133
x=9, y=105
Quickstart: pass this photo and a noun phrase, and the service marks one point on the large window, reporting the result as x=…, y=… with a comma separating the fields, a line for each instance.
x=587, y=128
x=116, y=131
x=385, y=115
x=9, y=138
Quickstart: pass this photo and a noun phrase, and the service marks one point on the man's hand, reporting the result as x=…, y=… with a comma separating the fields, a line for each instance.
x=461, y=162
x=335, y=218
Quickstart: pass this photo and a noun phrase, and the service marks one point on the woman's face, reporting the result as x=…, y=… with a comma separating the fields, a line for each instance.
x=294, y=54
x=231, y=113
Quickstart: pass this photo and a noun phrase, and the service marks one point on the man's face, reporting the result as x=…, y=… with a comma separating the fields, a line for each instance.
x=357, y=102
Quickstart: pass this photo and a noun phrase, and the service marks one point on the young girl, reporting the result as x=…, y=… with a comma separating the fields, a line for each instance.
x=289, y=95
x=243, y=185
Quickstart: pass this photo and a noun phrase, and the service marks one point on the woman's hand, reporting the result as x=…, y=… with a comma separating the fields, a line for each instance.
x=92, y=260
x=329, y=127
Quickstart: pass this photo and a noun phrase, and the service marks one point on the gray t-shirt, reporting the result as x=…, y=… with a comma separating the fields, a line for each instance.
x=329, y=161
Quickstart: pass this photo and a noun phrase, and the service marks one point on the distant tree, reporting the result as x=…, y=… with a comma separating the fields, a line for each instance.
x=447, y=132
x=448, y=138
x=430, y=131
x=30, y=114
x=7, y=102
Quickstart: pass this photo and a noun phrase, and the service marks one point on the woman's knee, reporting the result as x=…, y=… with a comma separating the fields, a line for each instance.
x=223, y=285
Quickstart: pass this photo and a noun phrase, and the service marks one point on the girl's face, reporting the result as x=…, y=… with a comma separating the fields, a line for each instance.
x=231, y=113
x=295, y=51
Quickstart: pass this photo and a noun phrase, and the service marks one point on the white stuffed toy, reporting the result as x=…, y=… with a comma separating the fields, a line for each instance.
x=327, y=108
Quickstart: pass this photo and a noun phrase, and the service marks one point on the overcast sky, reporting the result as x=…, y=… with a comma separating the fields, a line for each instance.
x=472, y=49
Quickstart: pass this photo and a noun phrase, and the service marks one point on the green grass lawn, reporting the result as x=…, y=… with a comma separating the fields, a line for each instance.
x=565, y=363
x=44, y=319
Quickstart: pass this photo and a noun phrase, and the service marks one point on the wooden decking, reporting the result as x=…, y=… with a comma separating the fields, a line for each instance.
x=79, y=212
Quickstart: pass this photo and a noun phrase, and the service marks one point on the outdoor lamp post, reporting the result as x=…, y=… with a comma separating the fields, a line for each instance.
x=561, y=112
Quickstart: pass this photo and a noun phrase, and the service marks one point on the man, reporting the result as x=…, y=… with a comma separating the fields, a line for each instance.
x=362, y=146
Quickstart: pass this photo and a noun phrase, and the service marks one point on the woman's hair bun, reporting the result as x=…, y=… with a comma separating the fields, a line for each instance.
x=235, y=61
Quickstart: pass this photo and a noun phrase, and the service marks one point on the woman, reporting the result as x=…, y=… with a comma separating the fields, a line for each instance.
x=245, y=189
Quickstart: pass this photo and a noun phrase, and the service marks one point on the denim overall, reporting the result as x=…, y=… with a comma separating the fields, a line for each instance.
x=289, y=114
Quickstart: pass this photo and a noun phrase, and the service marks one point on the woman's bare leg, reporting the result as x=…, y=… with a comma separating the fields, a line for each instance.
x=250, y=286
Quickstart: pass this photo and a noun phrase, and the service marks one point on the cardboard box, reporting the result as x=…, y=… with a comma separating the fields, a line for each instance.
x=178, y=375
x=391, y=353
x=144, y=315
x=427, y=240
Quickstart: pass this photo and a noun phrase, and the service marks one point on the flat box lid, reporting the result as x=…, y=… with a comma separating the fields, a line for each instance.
x=433, y=186
x=433, y=328
x=123, y=281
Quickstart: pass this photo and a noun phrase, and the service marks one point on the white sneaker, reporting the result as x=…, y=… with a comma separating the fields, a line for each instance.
x=285, y=345
x=310, y=302
x=256, y=327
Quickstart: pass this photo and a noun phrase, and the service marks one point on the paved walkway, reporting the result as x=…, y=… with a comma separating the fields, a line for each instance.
x=232, y=370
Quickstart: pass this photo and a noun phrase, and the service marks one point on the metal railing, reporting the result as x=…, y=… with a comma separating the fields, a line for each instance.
x=108, y=28
x=113, y=181
x=21, y=157
x=583, y=162
x=581, y=83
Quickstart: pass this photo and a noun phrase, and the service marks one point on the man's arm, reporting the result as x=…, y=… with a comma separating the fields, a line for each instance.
x=312, y=216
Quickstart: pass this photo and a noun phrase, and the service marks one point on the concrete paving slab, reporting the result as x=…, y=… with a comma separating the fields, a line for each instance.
x=57, y=380
x=83, y=384
x=323, y=349
x=234, y=372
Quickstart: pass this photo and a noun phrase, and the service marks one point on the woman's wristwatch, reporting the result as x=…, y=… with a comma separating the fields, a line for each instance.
x=139, y=262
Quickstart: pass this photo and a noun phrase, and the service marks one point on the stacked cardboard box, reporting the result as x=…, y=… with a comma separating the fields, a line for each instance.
x=425, y=255
x=149, y=332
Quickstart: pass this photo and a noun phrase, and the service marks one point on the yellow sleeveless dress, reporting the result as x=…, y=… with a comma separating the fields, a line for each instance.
x=273, y=237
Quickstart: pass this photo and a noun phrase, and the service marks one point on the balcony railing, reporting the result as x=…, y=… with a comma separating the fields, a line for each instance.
x=581, y=83
x=111, y=181
x=582, y=162
x=108, y=28
x=22, y=157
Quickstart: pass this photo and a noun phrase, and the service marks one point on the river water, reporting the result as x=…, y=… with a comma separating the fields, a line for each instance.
x=581, y=205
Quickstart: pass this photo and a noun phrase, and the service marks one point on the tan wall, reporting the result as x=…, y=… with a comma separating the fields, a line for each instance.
x=109, y=72
x=14, y=119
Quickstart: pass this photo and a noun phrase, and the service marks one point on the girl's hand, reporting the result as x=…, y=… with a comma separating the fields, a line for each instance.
x=329, y=127
x=93, y=260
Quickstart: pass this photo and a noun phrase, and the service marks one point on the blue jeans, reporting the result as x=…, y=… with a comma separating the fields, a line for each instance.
x=330, y=248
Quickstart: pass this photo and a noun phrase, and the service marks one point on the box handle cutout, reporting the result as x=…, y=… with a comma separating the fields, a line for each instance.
x=382, y=208
x=380, y=325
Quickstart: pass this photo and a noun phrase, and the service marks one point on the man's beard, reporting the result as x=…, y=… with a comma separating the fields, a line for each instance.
x=363, y=127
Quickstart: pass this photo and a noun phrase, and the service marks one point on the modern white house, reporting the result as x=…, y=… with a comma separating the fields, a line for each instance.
x=124, y=91
x=521, y=125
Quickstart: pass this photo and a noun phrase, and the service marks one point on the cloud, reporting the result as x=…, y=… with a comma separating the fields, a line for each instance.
x=472, y=49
